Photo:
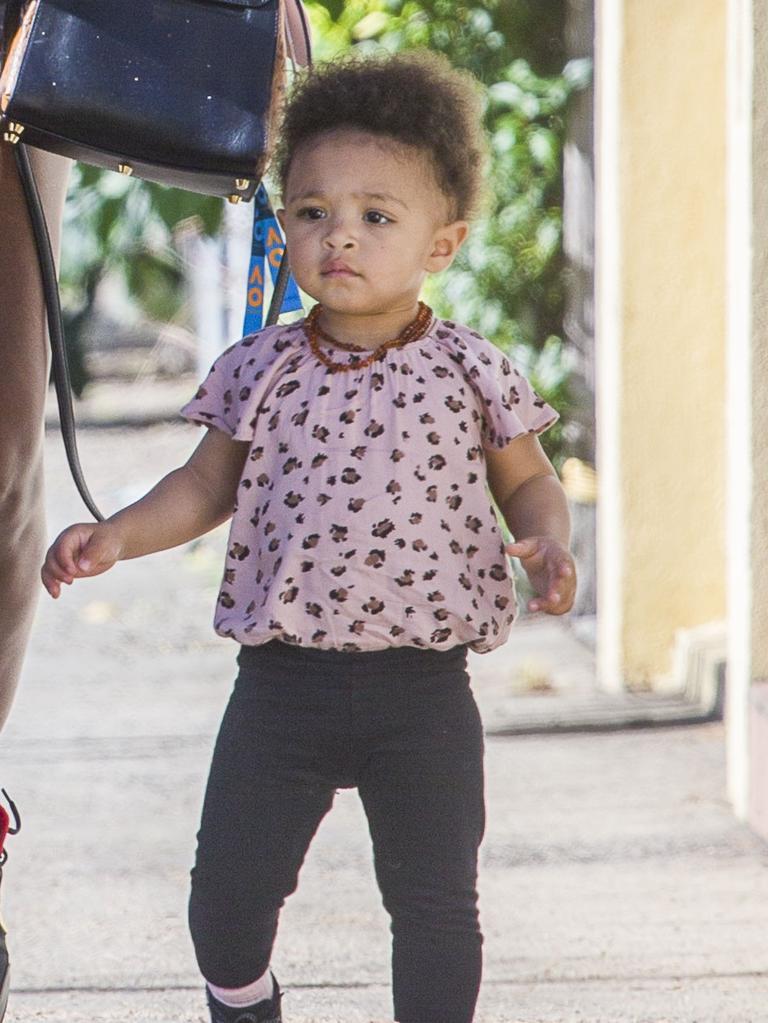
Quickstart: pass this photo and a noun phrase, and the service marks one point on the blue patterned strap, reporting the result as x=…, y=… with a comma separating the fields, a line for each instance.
x=267, y=249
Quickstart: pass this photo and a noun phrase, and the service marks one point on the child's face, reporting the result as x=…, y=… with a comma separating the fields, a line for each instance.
x=365, y=222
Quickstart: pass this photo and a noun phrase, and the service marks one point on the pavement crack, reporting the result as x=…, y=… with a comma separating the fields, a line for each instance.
x=592, y=978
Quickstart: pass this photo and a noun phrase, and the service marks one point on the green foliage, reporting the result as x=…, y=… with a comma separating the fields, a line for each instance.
x=508, y=281
x=116, y=224
x=122, y=226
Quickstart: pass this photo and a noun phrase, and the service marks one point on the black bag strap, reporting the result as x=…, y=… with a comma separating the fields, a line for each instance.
x=297, y=33
x=55, y=326
x=60, y=363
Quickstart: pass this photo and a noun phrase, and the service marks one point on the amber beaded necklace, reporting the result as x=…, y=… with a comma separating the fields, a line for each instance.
x=415, y=329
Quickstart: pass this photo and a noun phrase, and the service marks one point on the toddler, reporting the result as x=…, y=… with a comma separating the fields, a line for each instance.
x=354, y=451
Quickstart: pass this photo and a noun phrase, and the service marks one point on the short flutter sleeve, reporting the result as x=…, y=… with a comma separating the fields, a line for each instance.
x=240, y=381
x=508, y=405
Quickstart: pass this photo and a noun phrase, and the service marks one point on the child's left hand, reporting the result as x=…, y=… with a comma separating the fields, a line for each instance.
x=551, y=570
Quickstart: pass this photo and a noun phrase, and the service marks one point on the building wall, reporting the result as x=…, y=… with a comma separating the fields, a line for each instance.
x=748, y=746
x=759, y=394
x=661, y=434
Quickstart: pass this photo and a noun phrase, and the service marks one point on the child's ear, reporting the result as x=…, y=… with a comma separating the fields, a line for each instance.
x=446, y=242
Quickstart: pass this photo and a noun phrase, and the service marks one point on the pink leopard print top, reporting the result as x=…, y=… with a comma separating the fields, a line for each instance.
x=363, y=519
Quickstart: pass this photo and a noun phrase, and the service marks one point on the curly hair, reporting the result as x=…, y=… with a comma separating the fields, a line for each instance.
x=416, y=99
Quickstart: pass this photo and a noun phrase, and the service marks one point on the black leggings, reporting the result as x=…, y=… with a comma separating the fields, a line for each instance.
x=402, y=726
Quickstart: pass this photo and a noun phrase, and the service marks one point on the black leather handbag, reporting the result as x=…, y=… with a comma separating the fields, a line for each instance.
x=180, y=92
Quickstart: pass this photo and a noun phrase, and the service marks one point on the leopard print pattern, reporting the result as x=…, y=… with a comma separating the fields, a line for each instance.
x=363, y=518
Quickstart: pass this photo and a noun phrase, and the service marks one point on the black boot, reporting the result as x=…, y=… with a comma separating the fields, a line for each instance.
x=5, y=829
x=265, y=1011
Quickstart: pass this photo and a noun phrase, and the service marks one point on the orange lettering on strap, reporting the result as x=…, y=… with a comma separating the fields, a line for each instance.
x=255, y=298
x=275, y=257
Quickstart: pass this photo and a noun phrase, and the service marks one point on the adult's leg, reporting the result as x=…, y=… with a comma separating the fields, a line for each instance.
x=423, y=794
x=271, y=782
x=23, y=386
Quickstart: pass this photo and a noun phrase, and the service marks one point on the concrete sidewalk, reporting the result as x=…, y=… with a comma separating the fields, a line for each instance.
x=615, y=884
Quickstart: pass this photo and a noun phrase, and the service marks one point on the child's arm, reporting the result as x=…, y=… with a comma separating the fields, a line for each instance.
x=186, y=503
x=525, y=486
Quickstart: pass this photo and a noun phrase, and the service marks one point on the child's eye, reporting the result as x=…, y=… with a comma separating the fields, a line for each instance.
x=375, y=217
x=311, y=213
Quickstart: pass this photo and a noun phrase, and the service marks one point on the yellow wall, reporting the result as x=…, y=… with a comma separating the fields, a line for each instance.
x=672, y=446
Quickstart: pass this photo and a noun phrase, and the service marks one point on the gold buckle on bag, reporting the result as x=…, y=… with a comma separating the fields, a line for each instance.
x=242, y=185
x=14, y=133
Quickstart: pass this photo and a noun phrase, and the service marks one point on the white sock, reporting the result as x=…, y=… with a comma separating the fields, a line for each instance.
x=239, y=997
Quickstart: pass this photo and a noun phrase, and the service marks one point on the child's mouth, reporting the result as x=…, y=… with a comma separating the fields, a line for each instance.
x=338, y=270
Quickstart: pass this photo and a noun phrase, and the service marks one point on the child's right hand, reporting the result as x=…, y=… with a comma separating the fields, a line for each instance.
x=82, y=550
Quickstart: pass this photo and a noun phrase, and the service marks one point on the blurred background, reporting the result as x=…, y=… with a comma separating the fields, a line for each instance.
x=616, y=262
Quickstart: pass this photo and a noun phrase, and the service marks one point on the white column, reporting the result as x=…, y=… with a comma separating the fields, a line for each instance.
x=237, y=232
x=203, y=269
x=610, y=542
x=739, y=404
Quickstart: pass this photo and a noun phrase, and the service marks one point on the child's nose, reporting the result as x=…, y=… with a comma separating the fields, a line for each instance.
x=339, y=235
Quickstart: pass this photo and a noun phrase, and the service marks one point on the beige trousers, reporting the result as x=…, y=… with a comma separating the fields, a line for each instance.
x=24, y=365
